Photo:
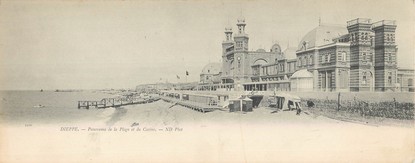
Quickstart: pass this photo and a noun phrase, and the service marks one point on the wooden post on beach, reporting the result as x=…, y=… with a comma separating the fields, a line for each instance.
x=394, y=102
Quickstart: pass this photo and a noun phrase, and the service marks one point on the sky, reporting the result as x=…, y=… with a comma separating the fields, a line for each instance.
x=120, y=44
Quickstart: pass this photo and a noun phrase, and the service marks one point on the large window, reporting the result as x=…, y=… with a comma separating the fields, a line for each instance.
x=239, y=44
x=342, y=57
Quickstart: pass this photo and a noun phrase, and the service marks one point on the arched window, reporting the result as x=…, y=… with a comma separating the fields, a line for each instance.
x=364, y=77
x=342, y=56
x=390, y=78
x=305, y=60
x=327, y=57
x=364, y=57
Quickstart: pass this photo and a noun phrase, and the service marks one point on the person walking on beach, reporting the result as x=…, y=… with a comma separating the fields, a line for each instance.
x=297, y=106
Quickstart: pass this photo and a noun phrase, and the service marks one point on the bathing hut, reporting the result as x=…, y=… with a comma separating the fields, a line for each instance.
x=284, y=101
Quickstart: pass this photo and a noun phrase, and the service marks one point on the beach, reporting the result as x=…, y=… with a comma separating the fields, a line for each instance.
x=162, y=132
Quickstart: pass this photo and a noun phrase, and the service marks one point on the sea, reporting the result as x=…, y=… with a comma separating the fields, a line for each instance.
x=22, y=107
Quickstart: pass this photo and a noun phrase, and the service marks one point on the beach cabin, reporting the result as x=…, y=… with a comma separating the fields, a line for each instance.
x=240, y=104
x=200, y=98
x=284, y=101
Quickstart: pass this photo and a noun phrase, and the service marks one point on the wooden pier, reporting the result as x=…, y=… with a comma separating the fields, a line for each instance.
x=115, y=102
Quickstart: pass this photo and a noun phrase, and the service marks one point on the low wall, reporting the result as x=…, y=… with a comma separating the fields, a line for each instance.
x=364, y=96
x=386, y=109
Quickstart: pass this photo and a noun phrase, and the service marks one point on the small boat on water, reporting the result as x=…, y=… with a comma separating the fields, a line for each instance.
x=39, y=106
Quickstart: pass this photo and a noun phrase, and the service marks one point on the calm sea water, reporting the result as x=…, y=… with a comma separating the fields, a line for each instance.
x=18, y=107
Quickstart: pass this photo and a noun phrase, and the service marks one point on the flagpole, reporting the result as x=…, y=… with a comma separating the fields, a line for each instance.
x=187, y=74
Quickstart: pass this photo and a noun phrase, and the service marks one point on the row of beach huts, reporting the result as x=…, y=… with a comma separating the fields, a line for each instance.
x=204, y=101
x=231, y=101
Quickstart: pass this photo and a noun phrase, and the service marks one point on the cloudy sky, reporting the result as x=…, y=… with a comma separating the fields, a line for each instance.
x=120, y=44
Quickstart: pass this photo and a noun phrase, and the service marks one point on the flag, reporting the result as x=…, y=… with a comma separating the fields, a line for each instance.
x=178, y=77
x=187, y=73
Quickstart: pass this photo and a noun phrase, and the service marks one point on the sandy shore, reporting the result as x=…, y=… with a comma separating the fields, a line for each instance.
x=217, y=136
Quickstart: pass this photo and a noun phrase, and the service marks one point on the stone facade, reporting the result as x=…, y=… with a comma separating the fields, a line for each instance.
x=360, y=56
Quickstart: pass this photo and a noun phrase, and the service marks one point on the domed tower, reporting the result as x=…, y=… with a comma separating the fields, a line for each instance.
x=210, y=73
x=241, y=38
x=276, y=48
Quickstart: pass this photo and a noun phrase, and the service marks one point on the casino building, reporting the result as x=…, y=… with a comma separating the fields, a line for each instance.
x=360, y=56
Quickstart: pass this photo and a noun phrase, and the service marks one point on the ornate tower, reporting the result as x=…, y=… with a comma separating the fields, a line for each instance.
x=228, y=41
x=227, y=56
x=241, y=38
x=385, y=55
x=240, y=64
x=361, y=52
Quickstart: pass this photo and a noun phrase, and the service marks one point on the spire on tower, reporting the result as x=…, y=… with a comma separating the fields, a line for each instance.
x=241, y=24
x=228, y=33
